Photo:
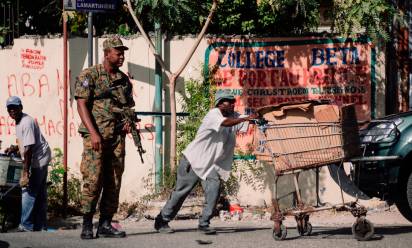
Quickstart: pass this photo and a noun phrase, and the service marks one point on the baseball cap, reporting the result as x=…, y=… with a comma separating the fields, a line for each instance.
x=114, y=42
x=13, y=100
x=223, y=94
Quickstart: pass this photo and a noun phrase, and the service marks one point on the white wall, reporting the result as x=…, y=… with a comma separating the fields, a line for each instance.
x=33, y=70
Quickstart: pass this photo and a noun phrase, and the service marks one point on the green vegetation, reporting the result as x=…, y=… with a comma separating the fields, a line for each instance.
x=262, y=18
x=372, y=18
x=55, y=189
x=197, y=103
x=3, y=33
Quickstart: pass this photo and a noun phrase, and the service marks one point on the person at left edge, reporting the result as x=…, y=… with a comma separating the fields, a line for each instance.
x=36, y=156
x=103, y=135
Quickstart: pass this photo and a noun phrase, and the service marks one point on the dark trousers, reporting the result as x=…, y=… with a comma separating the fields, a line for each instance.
x=186, y=181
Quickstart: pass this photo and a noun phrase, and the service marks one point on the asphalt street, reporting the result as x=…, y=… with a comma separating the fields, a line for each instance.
x=329, y=230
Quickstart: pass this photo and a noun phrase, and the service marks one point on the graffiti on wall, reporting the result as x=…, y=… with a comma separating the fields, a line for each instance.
x=32, y=58
x=47, y=90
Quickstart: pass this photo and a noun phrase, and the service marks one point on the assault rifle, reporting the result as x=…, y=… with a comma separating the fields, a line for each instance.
x=117, y=94
x=128, y=116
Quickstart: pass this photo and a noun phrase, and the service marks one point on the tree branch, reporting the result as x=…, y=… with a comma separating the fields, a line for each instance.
x=148, y=40
x=199, y=38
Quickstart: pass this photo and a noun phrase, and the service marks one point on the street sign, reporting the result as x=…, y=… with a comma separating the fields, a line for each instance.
x=91, y=5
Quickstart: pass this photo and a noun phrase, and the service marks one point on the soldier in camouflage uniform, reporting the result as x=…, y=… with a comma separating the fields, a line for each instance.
x=98, y=90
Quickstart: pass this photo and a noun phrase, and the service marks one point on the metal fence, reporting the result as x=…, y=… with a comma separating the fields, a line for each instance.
x=9, y=24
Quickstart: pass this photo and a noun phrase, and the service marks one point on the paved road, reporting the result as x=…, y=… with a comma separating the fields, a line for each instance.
x=329, y=231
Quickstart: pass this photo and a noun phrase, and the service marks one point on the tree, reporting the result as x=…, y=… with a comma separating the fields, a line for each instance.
x=173, y=76
x=172, y=15
x=372, y=18
x=40, y=18
x=301, y=16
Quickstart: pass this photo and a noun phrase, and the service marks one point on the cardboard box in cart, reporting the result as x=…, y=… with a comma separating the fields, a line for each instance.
x=306, y=135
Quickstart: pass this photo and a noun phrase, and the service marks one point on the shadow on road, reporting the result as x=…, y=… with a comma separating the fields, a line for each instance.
x=317, y=233
x=4, y=244
x=346, y=233
x=239, y=229
x=219, y=230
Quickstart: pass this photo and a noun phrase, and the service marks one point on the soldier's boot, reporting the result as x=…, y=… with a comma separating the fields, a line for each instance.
x=87, y=229
x=106, y=230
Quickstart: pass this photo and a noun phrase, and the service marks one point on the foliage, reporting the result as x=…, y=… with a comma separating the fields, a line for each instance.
x=136, y=209
x=42, y=18
x=250, y=171
x=55, y=190
x=197, y=103
x=240, y=17
x=3, y=33
x=116, y=22
x=173, y=15
x=373, y=17
x=300, y=16
x=77, y=23
x=232, y=16
x=235, y=17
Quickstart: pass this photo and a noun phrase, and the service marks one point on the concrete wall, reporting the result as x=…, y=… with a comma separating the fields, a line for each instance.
x=33, y=70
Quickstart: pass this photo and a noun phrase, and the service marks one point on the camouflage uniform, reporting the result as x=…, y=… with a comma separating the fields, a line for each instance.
x=102, y=170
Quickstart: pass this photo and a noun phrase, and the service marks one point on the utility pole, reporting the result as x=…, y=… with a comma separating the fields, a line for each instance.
x=90, y=38
x=158, y=108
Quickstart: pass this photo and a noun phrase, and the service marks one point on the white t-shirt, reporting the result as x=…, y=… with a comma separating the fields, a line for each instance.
x=28, y=133
x=213, y=146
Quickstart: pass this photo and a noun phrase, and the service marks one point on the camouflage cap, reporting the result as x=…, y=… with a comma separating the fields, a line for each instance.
x=114, y=42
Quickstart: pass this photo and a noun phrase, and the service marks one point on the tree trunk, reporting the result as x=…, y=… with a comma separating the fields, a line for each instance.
x=173, y=76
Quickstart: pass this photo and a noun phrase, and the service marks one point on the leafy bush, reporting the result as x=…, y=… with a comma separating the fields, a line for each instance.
x=251, y=172
x=3, y=33
x=55, y=189
x=197, y=103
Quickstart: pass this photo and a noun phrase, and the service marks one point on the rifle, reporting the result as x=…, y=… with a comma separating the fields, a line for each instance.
x=119, y=86
x=128, y=116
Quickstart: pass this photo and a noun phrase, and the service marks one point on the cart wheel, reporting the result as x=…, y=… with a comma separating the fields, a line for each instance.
x=362, y=229
x=305, y=231
x=3, y=224
x=282, y=234
x=308, y=230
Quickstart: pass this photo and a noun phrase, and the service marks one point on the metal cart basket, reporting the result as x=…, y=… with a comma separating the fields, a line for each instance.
x=313, y=142
x=10, y=194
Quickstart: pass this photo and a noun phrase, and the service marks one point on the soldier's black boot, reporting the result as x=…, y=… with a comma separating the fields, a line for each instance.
x=106, y=230
x=87, y=230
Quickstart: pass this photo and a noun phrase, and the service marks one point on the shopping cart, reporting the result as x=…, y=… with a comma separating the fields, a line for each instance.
x=7, y=196
x=311, y=142
x=10, y=193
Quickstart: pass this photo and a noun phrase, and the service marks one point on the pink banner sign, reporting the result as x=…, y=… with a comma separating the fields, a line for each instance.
x=267, y=72
x=262, y=72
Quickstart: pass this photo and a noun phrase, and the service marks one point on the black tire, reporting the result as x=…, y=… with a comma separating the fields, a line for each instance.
x=281, y=235
x=362, y=229
x=307, y=230
x=3, y=217
x=404, y=198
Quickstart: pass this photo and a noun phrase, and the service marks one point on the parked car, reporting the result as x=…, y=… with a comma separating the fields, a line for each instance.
x=385, y=168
